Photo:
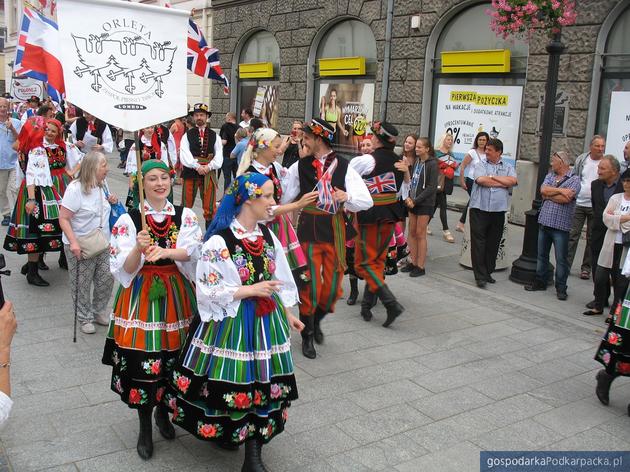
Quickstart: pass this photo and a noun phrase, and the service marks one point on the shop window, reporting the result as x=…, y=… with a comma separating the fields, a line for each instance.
x=258, y=77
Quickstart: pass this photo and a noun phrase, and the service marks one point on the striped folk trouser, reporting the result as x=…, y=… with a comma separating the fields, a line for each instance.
x=371, y=252
x=94, y=273
x=207, y=191
x=324, y=288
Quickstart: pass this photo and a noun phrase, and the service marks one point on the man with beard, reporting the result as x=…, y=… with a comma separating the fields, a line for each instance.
x=201, y=154
x=322, y=228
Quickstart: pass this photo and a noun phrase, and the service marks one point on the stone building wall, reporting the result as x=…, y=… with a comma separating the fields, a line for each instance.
x=295, y=23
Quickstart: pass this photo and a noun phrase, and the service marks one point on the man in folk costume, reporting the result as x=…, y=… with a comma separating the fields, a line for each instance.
x=201, y=154
x=322, y=227
x=91, y=134
x=166, y=138
x=382, y=171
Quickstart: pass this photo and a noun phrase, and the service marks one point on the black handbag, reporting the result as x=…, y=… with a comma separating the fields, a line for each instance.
x=625, y=239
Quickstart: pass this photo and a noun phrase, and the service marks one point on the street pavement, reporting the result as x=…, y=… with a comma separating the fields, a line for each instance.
x=461, y=371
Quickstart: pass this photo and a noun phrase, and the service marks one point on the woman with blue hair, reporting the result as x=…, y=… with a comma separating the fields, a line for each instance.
x=234, y=379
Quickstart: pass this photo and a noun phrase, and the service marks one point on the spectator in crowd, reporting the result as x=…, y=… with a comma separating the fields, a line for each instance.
x=586, y=169
x=125, y=140
x=558, y=191
x=242, y=139
x=33, y=104
x=8, y=325
x=291, y=145
x=246, y=117
x=9, y=130
x=626, y=157
x=489, y=201
x=227, y=132
x=467, y=170
x=606, y=243
x=85, y=208
x=255, y=123
x=447, y=165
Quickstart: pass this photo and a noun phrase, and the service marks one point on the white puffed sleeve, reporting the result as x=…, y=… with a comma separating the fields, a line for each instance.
x=290, y=184
x=217, y=281
x=37, y=169
x=121, y=243
x=189, y=238
x=288, y=292
x=5, y=407
x=73, y=156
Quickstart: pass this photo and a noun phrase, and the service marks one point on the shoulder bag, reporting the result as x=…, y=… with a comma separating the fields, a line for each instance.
x=95, y=242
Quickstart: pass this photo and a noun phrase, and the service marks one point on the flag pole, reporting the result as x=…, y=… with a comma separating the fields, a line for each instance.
x=136, y=138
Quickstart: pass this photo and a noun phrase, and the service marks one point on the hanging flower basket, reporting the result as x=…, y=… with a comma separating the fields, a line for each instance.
x=522, y=17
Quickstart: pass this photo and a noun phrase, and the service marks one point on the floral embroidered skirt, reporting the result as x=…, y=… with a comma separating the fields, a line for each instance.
x=39, y=231
x=147, y=333
x=234, y=379
x=282, y=227
x=614, y=350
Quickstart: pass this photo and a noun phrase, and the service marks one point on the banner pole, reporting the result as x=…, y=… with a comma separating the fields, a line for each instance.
x=136, y=138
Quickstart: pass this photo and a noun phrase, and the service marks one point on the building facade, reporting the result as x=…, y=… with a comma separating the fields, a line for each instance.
x=405, y=60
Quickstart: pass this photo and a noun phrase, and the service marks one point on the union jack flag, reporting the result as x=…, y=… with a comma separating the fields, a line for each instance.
x=203, y=60
x=325, y=200
x=381, y=183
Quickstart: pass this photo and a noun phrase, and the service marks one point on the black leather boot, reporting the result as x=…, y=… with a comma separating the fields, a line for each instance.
x=145, y=436
x=253, y=457
x=367, y=304
x=604, y=379
x=33, y=277
x=308, y=334
x=41, y=265
x=354, y=290
x=394, y=309
x=163, y=422
x=63, y=263
x=318, y=316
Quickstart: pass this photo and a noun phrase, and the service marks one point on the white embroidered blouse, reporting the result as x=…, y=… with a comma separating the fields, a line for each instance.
x=218, y=277
x=38, y=169
x=123, y=240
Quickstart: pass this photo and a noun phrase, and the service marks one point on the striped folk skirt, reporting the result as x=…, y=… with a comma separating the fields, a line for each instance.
x=146, y=334
x=283, y=229
x=614, y=350
x=234, y=379
x=39, y=231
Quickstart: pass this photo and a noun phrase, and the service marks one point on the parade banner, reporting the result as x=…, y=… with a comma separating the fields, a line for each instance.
x=618, y=133
x=263, y=100
x=465, y=110
x=25, y=88
x=124, y=62
x=350, y=106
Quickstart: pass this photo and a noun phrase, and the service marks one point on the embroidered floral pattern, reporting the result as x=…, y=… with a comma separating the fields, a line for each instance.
x=137, y=396
x=152, y=366
x=259, y=398
x=279, y=391
x=614, y=338
x=159, y=394
x=268, y=430
x=190, y=221
x=206, y=430
x=212, y=278
x=181, y=382
x=604, y=355
x=238, y=400
x=117, y=384
x=623, y=368
x=242, y=433
x=120, y=230
x=215, y=255
x=178, y=412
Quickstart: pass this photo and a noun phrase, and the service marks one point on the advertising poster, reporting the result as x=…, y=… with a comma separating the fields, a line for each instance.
x=618, y=133
x=25, y=88
x=349, y=108
x=465, y=110
x=263, y=100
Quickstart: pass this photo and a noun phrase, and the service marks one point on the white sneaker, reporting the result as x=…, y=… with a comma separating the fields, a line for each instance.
x=88, y=328
x=101, y=320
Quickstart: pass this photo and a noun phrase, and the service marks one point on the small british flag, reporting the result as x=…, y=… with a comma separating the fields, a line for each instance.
x=325, y=200
x=203, y=60
x=381, y=183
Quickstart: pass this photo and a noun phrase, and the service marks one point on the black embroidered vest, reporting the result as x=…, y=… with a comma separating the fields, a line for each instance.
x=82, y=126
x=166, y=239
x=202, y=151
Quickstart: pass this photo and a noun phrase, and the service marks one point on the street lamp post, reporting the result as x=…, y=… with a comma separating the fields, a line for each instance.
x=524, y=268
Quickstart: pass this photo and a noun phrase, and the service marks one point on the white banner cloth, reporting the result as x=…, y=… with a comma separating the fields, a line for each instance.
x=618, y=133
x=125, y=63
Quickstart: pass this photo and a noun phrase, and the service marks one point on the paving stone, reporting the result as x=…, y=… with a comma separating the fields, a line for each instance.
x=327, y=364
x=453, y=459
x=524, y=435
x=20, y=430
x=592, y=440
x=481, y=316
x=512, y=410
x=553, y=370
x=40, y=403
x=559, y=348
x=576, y=417
x=619, y=426
x=325, y=441
x=450, y=403
x=382, y=396
x=321, y=413
x=565, y=391
x=448, y=358
x=392, y=352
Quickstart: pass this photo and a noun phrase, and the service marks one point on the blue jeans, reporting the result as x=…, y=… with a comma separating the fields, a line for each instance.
x=560, y=240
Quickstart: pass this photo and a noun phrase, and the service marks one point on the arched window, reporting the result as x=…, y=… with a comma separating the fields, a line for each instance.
x=615, y=68
x=258, y=77
x=345, y=63
x=469, y=30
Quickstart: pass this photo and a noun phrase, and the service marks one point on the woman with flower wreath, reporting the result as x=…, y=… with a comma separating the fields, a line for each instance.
x=155, y=302
x=34, y=228
x=234, y=379
x=260, y=157
x=150, y=148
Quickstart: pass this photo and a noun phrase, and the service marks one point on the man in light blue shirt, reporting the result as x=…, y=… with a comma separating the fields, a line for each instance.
x=9, y=129
x=489, y=200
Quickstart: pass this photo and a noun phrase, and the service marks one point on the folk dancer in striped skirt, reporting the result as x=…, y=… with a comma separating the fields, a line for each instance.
x=155, y=302
x=201, y=154
x=151, y=147
x=234, y=380
x=322, y=228
x=260, y=157
x=383, y=173
x=48, y=164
